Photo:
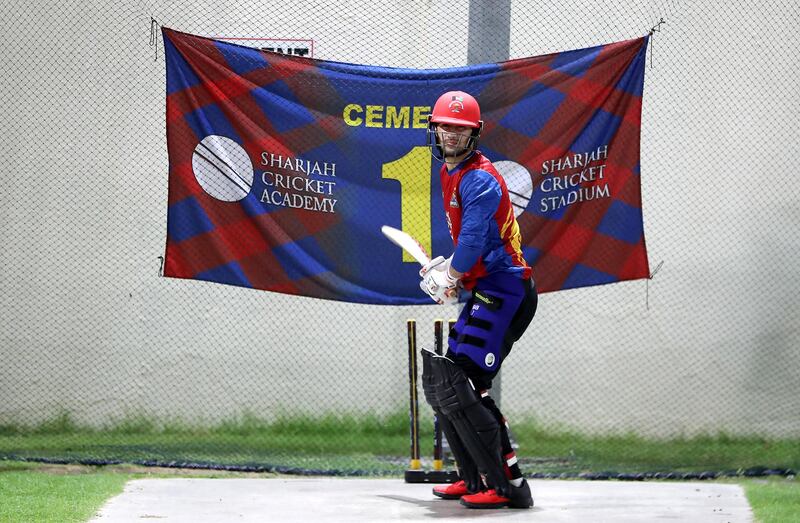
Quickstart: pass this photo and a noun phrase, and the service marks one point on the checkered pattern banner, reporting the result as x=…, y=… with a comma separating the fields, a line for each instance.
x=283, y=168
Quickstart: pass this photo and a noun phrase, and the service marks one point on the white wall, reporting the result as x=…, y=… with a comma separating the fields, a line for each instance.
x=87, y=326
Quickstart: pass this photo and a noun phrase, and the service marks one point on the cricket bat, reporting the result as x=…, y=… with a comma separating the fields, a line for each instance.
x=406, y=242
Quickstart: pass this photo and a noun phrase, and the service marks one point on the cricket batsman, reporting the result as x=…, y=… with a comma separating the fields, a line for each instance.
x=487, y=261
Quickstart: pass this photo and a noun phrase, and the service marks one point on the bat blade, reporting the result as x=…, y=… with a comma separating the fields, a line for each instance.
x=407, y=243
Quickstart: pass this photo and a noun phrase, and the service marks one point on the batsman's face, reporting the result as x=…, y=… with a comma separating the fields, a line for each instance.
x=453, y=139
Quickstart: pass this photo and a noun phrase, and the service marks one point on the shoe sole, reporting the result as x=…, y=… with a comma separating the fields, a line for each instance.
x=446, y=496
x=484, y=505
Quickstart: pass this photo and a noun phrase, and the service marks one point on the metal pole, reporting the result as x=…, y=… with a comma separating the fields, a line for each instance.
x=489, y=31
x=489, y=41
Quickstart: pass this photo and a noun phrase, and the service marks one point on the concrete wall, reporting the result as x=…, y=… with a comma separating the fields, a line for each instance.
x=88, y=327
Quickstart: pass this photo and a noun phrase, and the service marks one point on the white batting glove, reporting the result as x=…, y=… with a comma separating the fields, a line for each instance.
x=433, y=263
x=439, y=284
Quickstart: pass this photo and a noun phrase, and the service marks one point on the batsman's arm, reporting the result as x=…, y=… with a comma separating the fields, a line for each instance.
x=480, y=196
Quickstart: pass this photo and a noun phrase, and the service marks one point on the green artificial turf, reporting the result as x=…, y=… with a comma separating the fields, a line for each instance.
x=31, y=494
x=776, y=500
x=353, y=444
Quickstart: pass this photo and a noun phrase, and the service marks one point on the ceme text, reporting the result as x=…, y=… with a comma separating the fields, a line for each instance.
x=387, y=116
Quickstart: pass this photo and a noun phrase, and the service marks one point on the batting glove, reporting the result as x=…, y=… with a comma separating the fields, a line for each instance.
x=433, y=263
x=439, y=284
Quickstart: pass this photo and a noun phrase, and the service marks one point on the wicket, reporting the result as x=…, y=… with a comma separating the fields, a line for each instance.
x=415, y=473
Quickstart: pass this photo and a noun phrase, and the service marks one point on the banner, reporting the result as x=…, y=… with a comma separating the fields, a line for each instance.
x=282, y=168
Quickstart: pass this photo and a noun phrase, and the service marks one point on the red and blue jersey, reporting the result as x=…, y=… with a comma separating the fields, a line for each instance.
x=481, y=219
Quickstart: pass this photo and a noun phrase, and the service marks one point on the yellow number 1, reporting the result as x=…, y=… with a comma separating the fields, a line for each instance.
x=413, y=172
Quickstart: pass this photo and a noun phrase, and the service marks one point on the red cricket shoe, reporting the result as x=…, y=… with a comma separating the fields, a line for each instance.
x=452, y=491
x=520, y=498
x=486, y=499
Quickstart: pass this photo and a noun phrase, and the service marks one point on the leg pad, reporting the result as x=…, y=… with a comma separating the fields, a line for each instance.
x=450, y=393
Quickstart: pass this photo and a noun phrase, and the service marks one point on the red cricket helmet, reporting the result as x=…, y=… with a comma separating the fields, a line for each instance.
x=457, y=108
x=454, y=108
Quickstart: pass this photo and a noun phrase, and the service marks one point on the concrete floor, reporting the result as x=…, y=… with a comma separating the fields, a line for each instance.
x=370, y=500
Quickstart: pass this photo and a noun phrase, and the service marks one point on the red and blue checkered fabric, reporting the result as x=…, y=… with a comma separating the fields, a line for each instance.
x=281, y=167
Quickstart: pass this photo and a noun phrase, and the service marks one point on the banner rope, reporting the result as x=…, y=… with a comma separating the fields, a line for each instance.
x=154, y=25
x=654, y=29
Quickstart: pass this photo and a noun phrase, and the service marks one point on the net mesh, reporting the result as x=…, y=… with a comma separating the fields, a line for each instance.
x=103, y=359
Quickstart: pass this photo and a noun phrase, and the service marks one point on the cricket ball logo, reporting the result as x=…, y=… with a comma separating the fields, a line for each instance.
x=456, y=104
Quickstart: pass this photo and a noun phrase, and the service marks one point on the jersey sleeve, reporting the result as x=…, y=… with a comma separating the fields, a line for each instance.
x=480, y=198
